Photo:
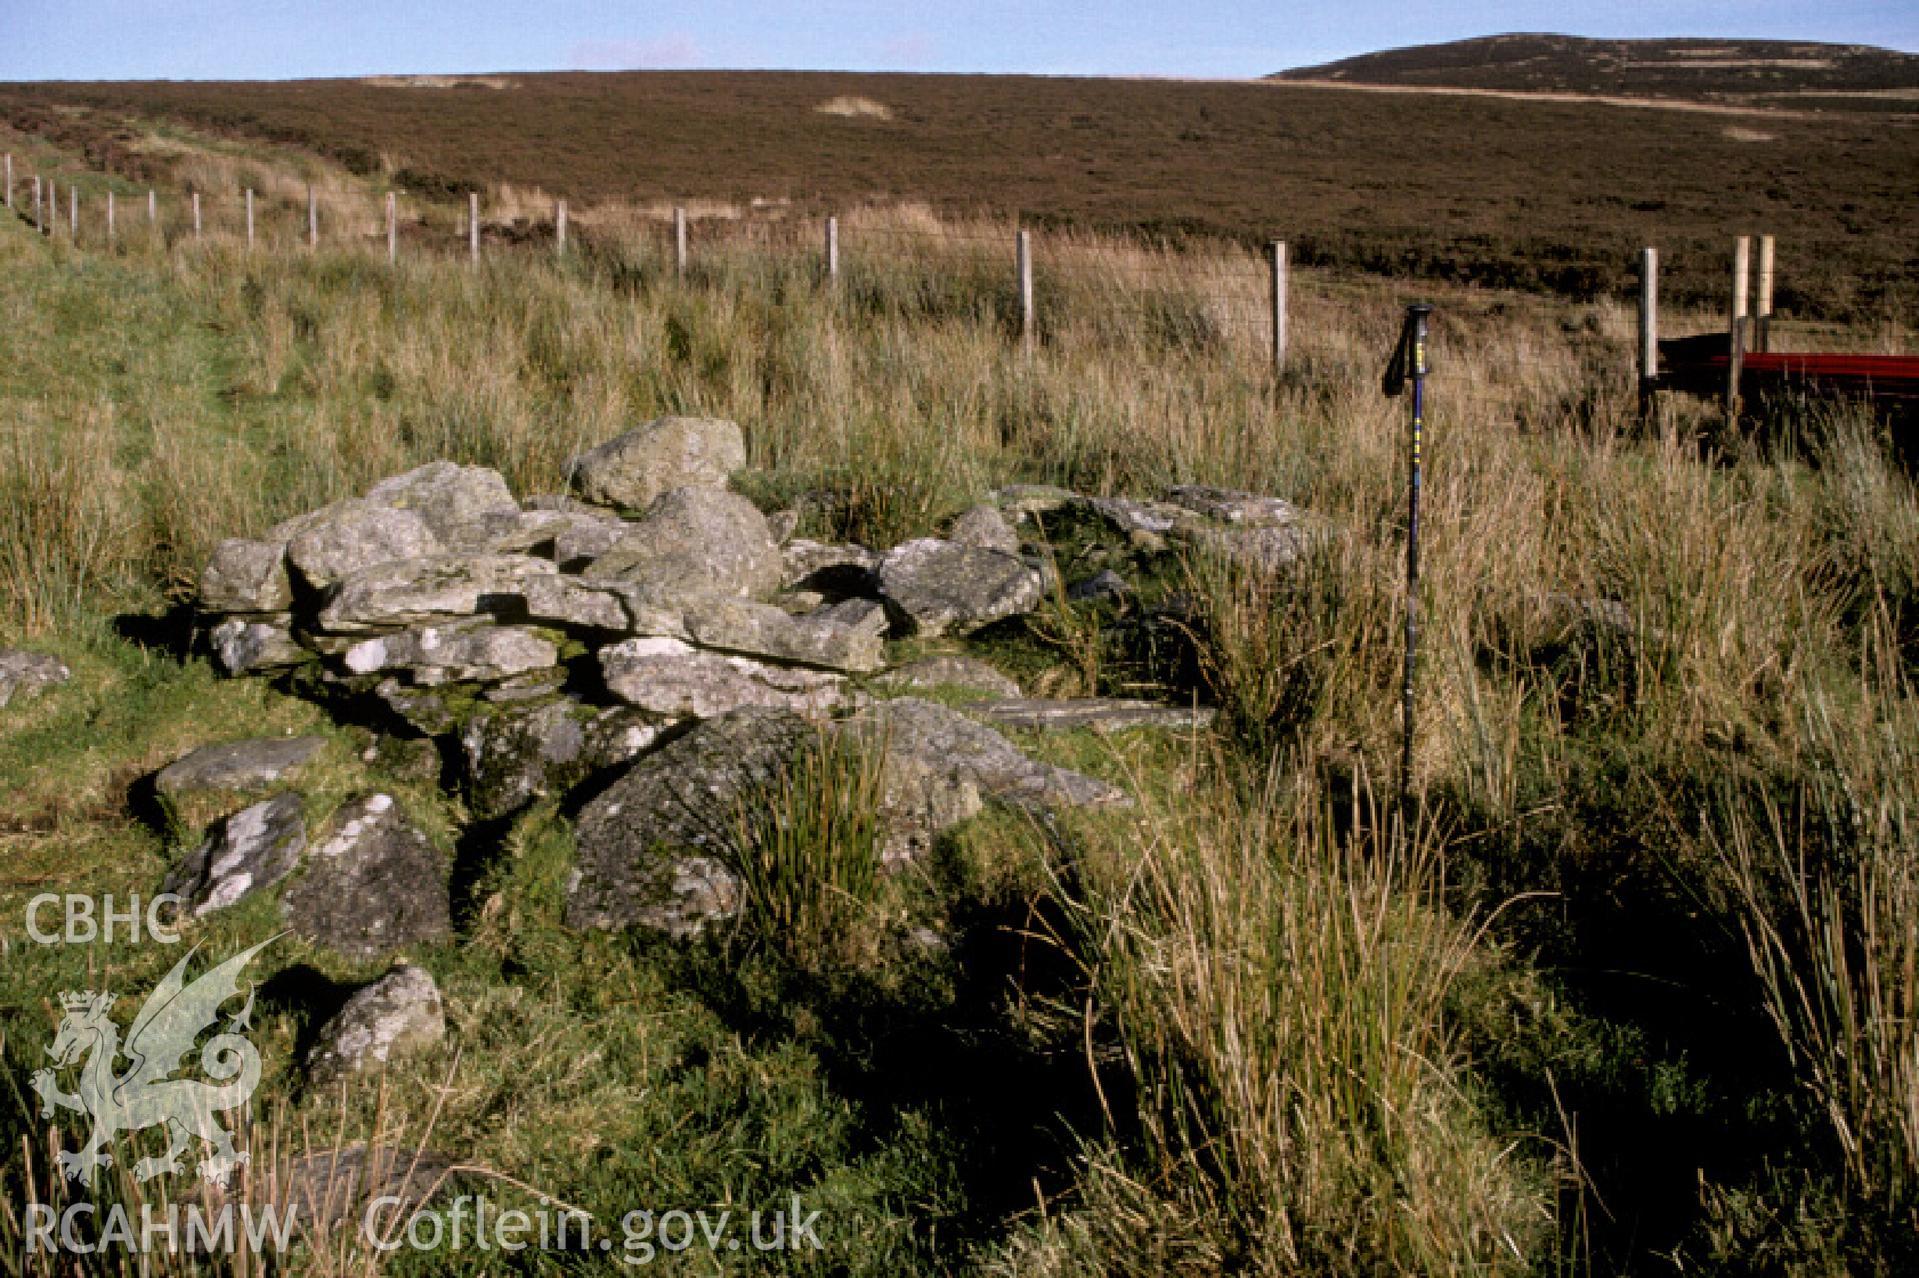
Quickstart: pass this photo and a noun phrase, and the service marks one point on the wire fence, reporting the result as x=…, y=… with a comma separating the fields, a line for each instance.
x=1219, y=296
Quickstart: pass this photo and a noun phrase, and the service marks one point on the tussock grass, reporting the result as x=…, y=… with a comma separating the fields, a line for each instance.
x=1278, y=992
x=806, y=846
x=1826, y=882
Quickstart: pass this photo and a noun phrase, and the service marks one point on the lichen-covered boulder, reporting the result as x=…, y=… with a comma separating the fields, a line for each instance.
x=242, y=645
x=25, y=674
x=831, y=567
x=937, y=587
x=466, y=507
x=653, y=849
x=371, y=885
x=340, y=540
x=985, y=527
x=696, y=541
x=515, y=755
x=246, y=576
x=399, y=1013
x=633, y=469
x=248, y=852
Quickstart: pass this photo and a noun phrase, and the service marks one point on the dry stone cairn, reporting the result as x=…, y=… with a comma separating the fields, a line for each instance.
x=656, y=632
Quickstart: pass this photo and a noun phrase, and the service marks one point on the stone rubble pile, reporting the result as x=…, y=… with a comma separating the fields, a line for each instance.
x=655, y=627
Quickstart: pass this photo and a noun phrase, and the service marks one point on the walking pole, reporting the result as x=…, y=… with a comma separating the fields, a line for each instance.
x=1409, y=363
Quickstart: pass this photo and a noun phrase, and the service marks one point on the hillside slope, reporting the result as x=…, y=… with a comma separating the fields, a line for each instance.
x=1696, y=69
x=1556, y=195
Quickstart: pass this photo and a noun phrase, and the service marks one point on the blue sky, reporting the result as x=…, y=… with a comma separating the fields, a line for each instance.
x=269, y=39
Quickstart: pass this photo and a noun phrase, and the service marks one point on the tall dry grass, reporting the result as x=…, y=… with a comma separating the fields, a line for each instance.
x=1278, y=990
x=1825, y=873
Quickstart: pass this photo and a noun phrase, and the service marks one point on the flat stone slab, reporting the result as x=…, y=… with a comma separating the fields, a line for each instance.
x=1022, y=500
x=676, y=680
x=26, y=674
x=435, y=589
x=1131, y=515
x=1265, y=548
x=250, y=851
x=967, y=673
x=1232, y=506
x=331, y=1190
x=1099, y=714
x=763, y=630
x=238, y=766
x=940, y=768
x=463, y=653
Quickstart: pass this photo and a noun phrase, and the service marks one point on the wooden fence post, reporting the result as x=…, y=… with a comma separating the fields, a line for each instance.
x=249, y=219
x=110, y=226
x=38, y=221
x=1023, y=263
x=1762, y=313
x=1648, y=329
x=73, y=212
x=197, y=226
x=679, y=241
x=313, y=217
x=559, y=229
x=9, y=180
x=1276, y=287
x=392, y=228
x=1736, y=330
x=832, y=249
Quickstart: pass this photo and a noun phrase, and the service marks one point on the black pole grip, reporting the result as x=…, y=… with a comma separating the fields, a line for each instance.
x=1399, y=369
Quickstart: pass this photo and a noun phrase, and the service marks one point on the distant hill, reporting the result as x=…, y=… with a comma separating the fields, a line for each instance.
x=1760, y=71
x=1504, y=191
